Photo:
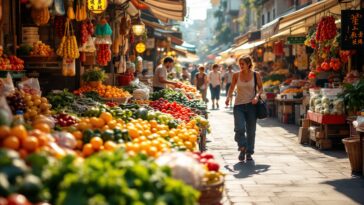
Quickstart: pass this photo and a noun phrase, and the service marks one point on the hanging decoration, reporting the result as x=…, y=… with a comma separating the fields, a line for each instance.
x=103, y=42
x=139, y=5
x=97, y=6
x=81, y=13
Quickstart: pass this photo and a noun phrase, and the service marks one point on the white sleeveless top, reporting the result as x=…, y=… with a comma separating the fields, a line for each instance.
x=245, y=91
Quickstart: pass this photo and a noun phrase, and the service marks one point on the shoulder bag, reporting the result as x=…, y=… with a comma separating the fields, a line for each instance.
x=262, y=111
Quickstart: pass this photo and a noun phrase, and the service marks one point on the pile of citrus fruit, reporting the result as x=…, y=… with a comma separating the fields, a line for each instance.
x=106, y=91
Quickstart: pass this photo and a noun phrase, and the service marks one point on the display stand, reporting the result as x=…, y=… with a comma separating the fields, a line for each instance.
x=329, y=127
x=286, y=110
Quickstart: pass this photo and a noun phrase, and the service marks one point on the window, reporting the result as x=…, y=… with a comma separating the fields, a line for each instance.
x=268, y=17
x=263, y=19
x=274, y=13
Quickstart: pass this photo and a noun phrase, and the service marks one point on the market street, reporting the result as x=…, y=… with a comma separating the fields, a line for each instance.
x=283, y=171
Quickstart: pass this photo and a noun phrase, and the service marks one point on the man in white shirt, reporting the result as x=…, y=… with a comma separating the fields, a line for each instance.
x=160, y=75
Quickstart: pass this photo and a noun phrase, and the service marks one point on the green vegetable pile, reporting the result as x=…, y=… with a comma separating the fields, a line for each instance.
x=179, y=97
x=115, y=178
x=95, y=74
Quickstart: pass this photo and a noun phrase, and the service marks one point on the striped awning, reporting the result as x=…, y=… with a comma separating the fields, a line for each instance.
x=166, y=10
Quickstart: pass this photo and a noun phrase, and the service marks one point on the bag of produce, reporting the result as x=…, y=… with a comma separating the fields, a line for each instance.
x=6, y=116
x=68, y=67
x=6, y=85
x=30, y=86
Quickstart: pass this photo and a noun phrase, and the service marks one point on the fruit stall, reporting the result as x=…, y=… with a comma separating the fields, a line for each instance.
x=336, y=97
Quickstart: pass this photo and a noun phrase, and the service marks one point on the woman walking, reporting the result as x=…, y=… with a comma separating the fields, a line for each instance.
x=249, y=88
x=215, y=82
x=201, y=82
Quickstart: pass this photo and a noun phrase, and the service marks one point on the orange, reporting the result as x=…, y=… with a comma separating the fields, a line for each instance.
x=11, y=142
x=4, y=131
x=79, y=144
x=19, y=131
x=133, y=132
x=153, y=123
x=77, y=134
x=83, y=126
x=189, y=145
x=112, y=124
x=23, y=153
x=106, y=116
x=30, y=143
x=99, y=123
x=42, y=127
x=152, y=151
x=110, y=145
x=96, y=142
x=43, y=140
x=87, y=150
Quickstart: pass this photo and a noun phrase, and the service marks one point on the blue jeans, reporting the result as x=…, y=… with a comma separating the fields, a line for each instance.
x=245, y=120
x=215, y=92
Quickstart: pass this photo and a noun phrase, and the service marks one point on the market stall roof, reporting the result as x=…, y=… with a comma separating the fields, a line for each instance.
x=179, y=51
x=167, y=9
x=246, y=47
x=189, y=58
x=189, y=47
x=295, y=23
x=226, y=52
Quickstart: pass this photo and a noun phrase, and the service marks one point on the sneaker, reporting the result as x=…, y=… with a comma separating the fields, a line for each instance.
x=217, y=105
x=249, y=157
x=213, y=106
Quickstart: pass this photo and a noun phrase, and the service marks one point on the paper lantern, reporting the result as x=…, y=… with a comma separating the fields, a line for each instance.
x=138, y=29
x=140, y=47
x=97, y=6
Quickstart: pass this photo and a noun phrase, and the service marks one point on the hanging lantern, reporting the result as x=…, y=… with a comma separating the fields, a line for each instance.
x=138, y=29
x=97, y=6
x=140, y=47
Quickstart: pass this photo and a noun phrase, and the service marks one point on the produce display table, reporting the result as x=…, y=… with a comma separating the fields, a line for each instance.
x=329, y=128
x=286, y=109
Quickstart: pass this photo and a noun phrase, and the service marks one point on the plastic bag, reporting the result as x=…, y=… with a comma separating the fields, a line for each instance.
x=89, y=46
x=6, y=85
x=68, y=67
x=6, y=116
x=65, y=139
x=30, y=86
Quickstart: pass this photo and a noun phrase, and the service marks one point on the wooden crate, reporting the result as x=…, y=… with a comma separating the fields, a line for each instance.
x=42, y=62
x=303, y=135
x=324, y=144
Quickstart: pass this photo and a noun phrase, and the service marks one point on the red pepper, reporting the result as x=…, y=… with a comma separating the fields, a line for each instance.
x=311, y=75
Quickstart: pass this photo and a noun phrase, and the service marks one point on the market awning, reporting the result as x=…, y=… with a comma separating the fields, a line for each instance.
x=226, y=52
x=246, y=48
x=167, y=9
x=297, y=22
x=190, y=58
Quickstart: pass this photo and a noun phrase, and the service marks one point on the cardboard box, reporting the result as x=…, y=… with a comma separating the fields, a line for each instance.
x=305, y=123
x=303, y=135
x=313, y=130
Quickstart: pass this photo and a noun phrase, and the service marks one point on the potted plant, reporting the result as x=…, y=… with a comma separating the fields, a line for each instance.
x=353, y=96
x=94, y=77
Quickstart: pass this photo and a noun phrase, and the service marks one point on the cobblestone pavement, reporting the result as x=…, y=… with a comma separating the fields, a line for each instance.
x=283, y=171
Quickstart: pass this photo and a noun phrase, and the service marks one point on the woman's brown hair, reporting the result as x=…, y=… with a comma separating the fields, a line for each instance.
x=248, y=60
x=215, y=66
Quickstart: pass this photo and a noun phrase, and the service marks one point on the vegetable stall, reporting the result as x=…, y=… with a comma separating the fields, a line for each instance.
x=68, y=135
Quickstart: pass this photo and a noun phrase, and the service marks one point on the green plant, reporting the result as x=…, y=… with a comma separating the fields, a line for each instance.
x=353, y=96
x=95, y=74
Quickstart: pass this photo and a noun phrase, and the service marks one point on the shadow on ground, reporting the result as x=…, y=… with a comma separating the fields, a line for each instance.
x=247, y=169
x=271, y=122
x=352, y=188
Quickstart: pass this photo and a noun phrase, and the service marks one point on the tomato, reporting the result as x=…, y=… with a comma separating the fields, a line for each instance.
x=17, y=199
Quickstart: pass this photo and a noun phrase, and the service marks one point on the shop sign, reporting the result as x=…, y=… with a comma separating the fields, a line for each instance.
x=97, y=6
x=150, y=43
x=291, y=40
x=140, y=47
x=352, y=29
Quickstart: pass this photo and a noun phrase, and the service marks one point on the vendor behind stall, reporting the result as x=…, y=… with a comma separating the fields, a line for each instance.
x=160, y=76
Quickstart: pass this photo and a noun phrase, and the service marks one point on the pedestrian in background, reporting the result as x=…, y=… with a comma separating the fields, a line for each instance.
x=228, y=77
x=215, y=82
x=193, y=74
x=201, y=82
x=160, y=75
x=245, y=117
x=185, y=74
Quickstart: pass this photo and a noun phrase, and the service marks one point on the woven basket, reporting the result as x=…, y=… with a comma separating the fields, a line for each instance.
x=212, y=194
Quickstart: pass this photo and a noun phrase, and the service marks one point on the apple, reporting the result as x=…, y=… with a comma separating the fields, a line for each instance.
x=212, y=165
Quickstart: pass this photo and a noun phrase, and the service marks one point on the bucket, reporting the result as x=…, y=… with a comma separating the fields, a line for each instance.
x=352, y=147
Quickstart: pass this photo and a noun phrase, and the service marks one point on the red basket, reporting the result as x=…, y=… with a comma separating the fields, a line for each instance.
x=124, y=80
